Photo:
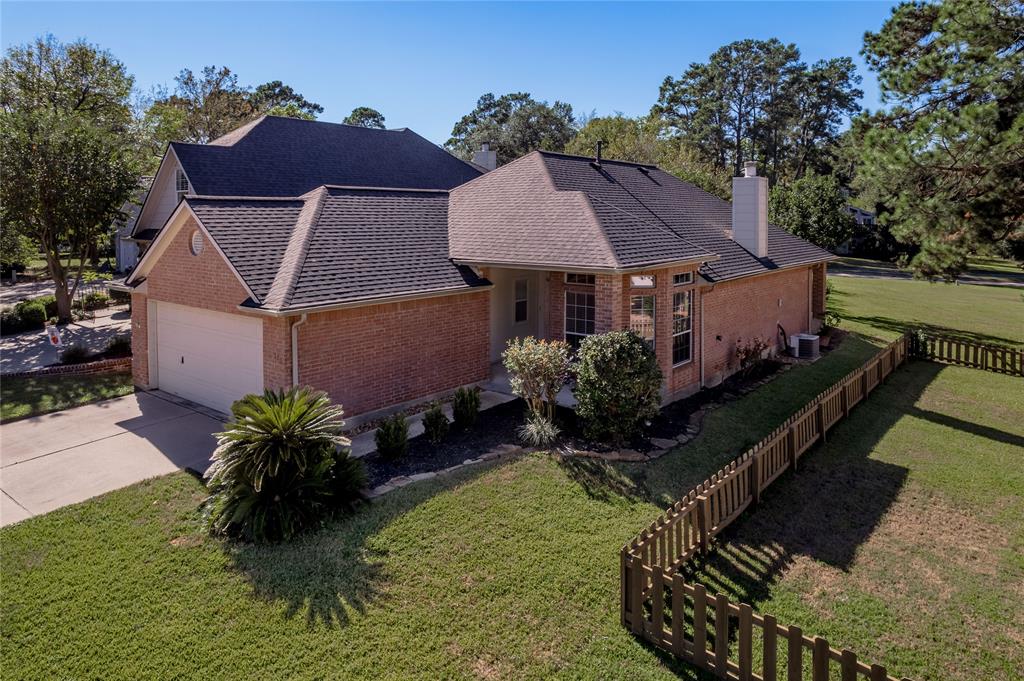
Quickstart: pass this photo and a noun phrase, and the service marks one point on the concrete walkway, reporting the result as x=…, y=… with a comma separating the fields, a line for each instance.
x=62, y=458
x=32, y=350
x=28, y=290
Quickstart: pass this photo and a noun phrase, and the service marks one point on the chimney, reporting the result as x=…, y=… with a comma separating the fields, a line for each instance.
x=485, y=157
x=750, y=210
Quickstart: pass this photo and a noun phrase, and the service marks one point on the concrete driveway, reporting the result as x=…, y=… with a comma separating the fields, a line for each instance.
x=62, y=458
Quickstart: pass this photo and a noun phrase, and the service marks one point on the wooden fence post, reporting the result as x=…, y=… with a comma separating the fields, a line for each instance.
x=770, y=649
x=678, y=590
x=703, y=521
x=819, y=660
x=721, y=635
x=821, y=419
x=745, y=642
x=846, y=399
x=637, y=599
x=700, y=625
x=755, y=476
x=791, y=446
x=624, y=575
x=795, y=654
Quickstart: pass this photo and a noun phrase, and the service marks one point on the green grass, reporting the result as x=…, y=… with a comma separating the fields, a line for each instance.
x=903, y=537
x=511, y=570
x=24, y=397
x=884, y=307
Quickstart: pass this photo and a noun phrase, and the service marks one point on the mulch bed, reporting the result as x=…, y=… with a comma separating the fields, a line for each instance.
x=494, y=426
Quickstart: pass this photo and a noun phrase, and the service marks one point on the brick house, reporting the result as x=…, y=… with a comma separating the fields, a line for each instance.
x=375, y=266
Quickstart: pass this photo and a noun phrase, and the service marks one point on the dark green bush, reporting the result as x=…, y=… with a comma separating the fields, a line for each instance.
x=33, y=313
x=392, y=437
x=95, y=300
x=435, y=424
x=466, y=407
x=618, y=385
x=49, y=303
x=119, y=346
x=277, y=470
x=75, y=354
x=11, y=322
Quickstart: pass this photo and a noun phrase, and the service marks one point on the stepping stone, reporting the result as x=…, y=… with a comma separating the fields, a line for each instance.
x=662, y=443
x=631, y=455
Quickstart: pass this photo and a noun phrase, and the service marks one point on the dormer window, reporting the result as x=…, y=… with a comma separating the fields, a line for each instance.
x=180, y=183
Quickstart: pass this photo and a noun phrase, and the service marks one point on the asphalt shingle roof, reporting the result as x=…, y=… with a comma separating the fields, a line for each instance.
x=641, y=214
x=287, y=157
x=343, y=245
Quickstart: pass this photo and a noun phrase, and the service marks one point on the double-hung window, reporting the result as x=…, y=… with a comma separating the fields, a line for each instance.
x=579, y=316
x=682, y=327
x=641, y=317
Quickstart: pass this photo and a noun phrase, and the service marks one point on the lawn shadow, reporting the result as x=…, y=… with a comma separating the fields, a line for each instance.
x=331, y=574
x=601, y=480
x=828, y=508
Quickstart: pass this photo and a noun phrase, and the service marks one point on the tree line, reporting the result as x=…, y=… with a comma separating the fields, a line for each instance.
x=941, y=164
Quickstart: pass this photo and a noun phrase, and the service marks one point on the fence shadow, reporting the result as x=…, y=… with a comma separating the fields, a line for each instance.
x=828, y=508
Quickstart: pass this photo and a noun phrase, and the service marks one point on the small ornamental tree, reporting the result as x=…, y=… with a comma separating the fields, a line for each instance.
x=618, y=385
x=537, y=371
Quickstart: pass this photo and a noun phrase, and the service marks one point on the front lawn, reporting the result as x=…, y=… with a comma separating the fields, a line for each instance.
x=21, y=397
x=511, y=570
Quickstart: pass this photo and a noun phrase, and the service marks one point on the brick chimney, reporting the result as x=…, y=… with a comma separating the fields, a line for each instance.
x=485, y=157
x=750, y=210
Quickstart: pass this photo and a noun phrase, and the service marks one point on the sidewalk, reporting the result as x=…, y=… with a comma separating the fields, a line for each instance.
x=32, y=350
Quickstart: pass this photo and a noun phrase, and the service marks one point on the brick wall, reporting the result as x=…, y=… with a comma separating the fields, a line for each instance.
x=205, y=281
x=140, y=340
x=378, y=355
x=750, y=307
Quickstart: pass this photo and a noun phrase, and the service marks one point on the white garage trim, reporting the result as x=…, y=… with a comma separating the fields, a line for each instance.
x=212, y=358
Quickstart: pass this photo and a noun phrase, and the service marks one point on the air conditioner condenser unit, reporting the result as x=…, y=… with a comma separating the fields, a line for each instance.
x=804, y=346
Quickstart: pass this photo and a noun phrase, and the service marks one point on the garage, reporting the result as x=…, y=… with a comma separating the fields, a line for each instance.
x=211, y=358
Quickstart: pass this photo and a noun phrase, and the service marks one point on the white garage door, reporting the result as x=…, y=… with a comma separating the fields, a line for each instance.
x=208, y=357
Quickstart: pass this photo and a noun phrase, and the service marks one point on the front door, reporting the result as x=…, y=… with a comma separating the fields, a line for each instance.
x=515, y=307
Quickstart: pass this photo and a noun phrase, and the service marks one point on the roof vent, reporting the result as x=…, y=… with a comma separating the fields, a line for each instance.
x=645, y=171
x=597, y=159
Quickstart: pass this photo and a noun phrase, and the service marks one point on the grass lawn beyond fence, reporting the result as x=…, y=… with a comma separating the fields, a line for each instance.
x=511, y=570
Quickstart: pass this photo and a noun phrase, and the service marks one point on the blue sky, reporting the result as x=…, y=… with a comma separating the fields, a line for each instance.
x=423, y=65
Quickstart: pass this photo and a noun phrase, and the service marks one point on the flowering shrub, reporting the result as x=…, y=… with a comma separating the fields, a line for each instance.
x=537, y=370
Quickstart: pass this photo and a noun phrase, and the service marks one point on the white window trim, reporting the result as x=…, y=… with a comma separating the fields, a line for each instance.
x=633, y=281
x=682, y=333
x=565, y=316
x=683, y=283
x=179, y=175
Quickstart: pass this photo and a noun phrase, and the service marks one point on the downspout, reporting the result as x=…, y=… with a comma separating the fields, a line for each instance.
x=702, y=294
x=295, y=348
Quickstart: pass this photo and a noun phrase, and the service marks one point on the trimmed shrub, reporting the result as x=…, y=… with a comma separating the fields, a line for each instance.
x=537, y=370
x=466, y=407
x=11, y=322
x=75, y=354
x=435, y=424
x=119, y=346
x=618, y=384
x=49, y=303
x=751, y=355
x=32, y=313
x=95, y=300
x=277, y=470
x=538, y=431
x=392, y=437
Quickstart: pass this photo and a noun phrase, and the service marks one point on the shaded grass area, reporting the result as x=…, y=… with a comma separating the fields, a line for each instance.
x=21, y=397
x=901, y=538
x=510, y=570
x=507, y=571
x=886, y=307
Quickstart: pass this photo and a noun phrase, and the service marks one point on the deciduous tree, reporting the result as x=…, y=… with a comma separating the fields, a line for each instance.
x=813, y=208
x=365, y=117
x=67, y=150
x=514, y=124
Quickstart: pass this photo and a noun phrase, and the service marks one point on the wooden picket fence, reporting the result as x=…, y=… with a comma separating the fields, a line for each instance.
x=658, y=605
x=966, y=353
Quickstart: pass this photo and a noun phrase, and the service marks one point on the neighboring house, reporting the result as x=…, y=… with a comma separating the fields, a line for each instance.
x=126, y=249
x=865, y=226
x=392, y=276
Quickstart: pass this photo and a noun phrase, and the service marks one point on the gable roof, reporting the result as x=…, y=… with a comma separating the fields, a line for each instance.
x=643, y=215
x=336, y=246
x=287, y=157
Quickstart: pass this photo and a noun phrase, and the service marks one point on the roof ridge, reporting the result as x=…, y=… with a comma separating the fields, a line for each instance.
x=635, y=164
x=490, y=173
x=586, y=198
x=217, y=197
x=644, y=221
x=283, y=287
x=415, y=190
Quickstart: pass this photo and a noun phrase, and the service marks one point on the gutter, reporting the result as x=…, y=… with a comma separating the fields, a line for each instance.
x=295, y=349
x=564, y=267
x=363, y=302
